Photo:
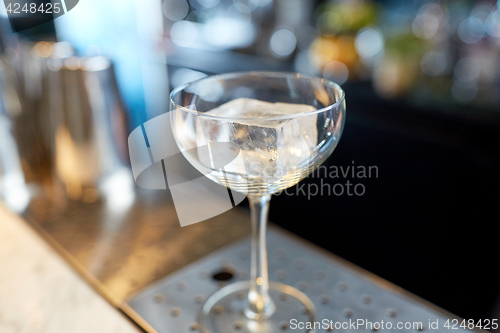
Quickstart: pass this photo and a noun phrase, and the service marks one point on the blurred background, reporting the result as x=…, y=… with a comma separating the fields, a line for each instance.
x=422, y=80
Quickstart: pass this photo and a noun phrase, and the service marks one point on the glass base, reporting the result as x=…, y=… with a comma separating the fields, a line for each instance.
x=223, y=312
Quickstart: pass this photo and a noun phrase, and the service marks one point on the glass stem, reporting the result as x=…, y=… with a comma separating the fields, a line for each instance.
x=260, y=304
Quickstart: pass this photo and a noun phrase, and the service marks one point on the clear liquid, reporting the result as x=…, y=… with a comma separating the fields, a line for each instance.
x=261, y=185
x=244, y=183
x=270, y=155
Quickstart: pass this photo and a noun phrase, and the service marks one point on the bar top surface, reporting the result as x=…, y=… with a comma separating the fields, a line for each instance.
x=40, y=292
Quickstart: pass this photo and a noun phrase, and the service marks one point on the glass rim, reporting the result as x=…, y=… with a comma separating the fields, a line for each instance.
x=257, y=73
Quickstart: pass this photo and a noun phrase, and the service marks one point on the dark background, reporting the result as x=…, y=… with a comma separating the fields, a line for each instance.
x=427, y=223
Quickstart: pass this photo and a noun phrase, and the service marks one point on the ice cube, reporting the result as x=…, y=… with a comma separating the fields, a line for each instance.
x=265, y=148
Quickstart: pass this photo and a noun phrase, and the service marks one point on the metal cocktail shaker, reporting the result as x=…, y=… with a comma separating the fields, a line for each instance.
x=88, y=137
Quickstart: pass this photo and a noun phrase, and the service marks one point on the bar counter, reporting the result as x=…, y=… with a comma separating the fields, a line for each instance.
x=40, y=292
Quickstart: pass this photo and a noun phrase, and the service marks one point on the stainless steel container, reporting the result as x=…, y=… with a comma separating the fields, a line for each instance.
x=24, y=77
x=88, y=136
